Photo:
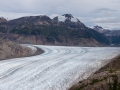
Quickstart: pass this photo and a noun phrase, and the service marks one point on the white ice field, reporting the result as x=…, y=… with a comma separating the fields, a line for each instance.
x=56, y=69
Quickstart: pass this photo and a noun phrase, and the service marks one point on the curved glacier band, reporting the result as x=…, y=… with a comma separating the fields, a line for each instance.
x=56, y=69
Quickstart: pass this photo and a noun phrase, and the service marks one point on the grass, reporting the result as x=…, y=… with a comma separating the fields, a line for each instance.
x=94, y=81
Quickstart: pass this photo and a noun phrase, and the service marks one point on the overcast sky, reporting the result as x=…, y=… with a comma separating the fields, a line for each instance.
x=105, y=13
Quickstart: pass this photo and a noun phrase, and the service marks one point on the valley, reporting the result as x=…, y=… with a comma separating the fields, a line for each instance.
x=59, y=67
x=43, y=53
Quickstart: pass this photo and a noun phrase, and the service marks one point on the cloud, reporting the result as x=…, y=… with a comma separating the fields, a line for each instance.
x=108, y=22
x=104, y=10
x=111, y=26
x=82, y=9
x=13, y=15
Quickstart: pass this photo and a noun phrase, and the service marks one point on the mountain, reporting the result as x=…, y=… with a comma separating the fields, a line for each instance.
x=112, y=35
x=101, y=30
x=61, y=30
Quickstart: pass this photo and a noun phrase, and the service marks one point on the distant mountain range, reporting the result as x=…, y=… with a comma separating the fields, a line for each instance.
x=112, y=35
x=46, y=31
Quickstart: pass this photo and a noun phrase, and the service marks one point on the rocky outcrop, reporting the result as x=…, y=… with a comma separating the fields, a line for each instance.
x=8, y=50
x=2, y=20
x=3, y=25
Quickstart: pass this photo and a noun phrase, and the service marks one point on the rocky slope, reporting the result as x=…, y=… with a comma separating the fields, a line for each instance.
x=112, y=35
x=8, y=50
x=107, y=78
x=46, y=31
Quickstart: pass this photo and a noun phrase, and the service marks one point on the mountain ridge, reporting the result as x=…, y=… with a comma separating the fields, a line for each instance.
x=47, y=31
x=112, y=35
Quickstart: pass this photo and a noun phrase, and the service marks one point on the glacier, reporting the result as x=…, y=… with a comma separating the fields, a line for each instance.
x=58, y=68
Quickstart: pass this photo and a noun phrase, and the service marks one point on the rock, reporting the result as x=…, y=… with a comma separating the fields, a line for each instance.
x=9, y=50
x=55, y=20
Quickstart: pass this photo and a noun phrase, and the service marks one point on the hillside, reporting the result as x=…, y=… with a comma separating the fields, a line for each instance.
x=46, y=31
x=8, y=50
x=107, y=78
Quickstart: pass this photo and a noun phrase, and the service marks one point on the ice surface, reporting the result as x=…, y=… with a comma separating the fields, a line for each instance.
x=56, y=69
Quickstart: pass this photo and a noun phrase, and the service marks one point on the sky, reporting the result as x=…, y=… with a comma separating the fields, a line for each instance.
x=105, y=13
